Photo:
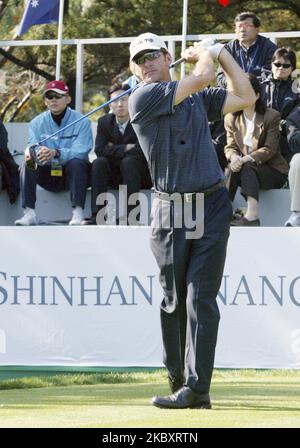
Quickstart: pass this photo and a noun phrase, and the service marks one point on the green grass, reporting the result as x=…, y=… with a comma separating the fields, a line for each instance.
x=241, y=398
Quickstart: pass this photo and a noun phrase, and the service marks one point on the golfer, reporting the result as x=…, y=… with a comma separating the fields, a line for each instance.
x=170, y=119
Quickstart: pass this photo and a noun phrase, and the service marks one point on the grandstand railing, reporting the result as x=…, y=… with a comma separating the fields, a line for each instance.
x=171, y=42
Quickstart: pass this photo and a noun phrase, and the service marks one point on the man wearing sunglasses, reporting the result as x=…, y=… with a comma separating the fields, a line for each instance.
x=170, y=119
x=278, y=92
x=63, y=159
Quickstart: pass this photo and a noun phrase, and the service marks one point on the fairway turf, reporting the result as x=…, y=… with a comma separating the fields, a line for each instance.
x=241, y=399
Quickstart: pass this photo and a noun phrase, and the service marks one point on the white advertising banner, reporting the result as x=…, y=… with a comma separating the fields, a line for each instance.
x=90, y=296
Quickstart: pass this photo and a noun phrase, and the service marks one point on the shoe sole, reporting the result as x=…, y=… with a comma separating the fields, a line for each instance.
x=24, y=225
x=204, y=405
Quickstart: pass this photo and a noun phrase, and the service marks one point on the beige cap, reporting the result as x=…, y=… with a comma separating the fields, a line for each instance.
x=146, y=41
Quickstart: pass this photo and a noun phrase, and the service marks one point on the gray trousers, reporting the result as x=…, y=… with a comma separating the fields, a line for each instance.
x=294, y=181
x=191, y=272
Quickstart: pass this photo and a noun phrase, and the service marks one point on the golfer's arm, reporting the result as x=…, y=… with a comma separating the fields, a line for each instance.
x=201, y=77
x=240, y=92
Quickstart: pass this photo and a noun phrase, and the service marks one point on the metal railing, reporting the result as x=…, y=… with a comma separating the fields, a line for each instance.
x=171, y=43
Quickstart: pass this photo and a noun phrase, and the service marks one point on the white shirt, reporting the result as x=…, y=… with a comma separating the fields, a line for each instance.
x=249, y=132
x=122, y=126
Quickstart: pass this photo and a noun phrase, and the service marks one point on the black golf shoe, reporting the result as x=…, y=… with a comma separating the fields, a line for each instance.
x=182, y=399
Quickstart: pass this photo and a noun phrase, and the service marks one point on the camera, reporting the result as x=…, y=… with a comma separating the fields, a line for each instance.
x=31, y=152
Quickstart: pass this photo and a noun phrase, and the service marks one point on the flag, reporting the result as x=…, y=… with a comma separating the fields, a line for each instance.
x=38, y=12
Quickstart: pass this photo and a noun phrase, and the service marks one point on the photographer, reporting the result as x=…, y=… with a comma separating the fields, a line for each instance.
x=62, y=161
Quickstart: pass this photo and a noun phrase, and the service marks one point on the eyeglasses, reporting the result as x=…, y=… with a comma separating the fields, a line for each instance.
x=53, y=95
x=240, y=26
x=150, y=56
x=279, y=65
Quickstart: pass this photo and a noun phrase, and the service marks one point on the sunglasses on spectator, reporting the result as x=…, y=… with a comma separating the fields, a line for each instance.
x=53, y=95
x=278, y=65
x=150, y=56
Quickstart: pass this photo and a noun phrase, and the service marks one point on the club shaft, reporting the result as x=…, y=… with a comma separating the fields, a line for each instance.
x=175, y=63
x=126, y=92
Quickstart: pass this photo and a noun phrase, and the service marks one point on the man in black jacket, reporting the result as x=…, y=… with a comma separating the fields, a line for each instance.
x=120, y=160
x=9, y=173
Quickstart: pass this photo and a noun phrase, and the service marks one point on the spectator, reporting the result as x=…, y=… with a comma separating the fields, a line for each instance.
x=252, y=150
x=293, y=137
x=120, y=159
x=63, y=163
x=278, y=93
x=9, y=173
x=252, y=51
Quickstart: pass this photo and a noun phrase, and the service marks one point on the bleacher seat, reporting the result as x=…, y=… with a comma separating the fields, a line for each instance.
x=274, y=205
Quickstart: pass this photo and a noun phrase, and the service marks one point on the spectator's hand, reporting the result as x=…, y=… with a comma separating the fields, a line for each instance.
x=46, y=154
x=246, y=159
x=236, y=163
x=129, y=146
x=282, y=127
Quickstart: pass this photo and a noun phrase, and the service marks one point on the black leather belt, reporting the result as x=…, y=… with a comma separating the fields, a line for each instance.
x=188, y=197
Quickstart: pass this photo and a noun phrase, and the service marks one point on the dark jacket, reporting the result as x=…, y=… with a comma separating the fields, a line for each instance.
x=9, y=168
x=108, y=132
x=278, y=95
x=255, y=59
x=293, y=130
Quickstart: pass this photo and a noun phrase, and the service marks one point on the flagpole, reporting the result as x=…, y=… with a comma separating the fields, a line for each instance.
x=184, y=32
x=59, y=39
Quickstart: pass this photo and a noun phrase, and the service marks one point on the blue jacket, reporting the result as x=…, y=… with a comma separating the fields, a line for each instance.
x=74, y=143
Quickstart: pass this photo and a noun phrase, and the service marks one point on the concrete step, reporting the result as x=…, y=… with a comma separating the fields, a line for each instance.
x=274, y=206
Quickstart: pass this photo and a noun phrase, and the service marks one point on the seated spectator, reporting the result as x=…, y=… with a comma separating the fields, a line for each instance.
x=252, y=150
x=120, y=160
x=9, y=171
x=278, y=93
x=252, y=51
x=63, y=159
x=293, y=136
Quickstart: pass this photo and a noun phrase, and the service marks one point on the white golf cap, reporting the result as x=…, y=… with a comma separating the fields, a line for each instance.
x=146, y=41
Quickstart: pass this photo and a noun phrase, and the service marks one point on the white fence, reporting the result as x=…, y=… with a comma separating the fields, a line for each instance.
x=172, y=41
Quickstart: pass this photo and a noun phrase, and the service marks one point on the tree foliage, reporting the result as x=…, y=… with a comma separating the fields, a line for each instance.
x=25, y=69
